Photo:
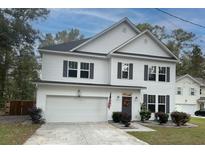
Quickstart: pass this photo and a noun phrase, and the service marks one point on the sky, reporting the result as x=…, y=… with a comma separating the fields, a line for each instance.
x=93, y=21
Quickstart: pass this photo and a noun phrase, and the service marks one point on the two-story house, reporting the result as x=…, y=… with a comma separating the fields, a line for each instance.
x=120, y=65
x=190, y=94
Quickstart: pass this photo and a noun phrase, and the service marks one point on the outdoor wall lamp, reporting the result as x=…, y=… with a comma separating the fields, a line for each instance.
x=79, y=92
x=136, y=98
x=118, y=98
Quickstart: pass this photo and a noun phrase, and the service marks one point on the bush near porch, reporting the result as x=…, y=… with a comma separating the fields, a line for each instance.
x=175, y=136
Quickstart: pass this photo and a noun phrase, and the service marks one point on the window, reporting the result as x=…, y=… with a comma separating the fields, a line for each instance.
x=151, y=103
x=162, y=74
x=72, y=69
x=161, y=103
x=152, y=73
x=125, y=70
x=192, y=92
x=84, y=70
x=179, y=91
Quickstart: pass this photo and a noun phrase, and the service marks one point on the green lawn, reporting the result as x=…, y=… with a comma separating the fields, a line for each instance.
x=174, y=136
x=16, y=133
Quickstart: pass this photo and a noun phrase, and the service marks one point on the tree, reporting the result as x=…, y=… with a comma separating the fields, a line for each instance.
x=25, y=72
x=197, y=63
x=16, y=34
x=157, y=30
x=61, y=37
x=47, y=40
x=67, y=36
x=180, y=41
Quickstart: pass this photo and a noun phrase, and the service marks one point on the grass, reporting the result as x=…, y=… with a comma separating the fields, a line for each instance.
x=175, y=136
x=11, y=134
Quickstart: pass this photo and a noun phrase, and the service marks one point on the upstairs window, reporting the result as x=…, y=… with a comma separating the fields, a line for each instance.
x=151, y=103
x=192, y=92
x=179, y=91
x=162, y=74
x=72, y=69
x=125, y=70
x=152, y=73
x=84, y=70
x=87, y=70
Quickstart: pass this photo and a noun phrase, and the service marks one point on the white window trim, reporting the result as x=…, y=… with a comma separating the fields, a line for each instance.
x=180, y=91
x=72, y=69
x=162, y=103
x=151, y=103
x=192, y=91
x=88, y=70
x=128, y=71
x=162, y=73
x=152, y=73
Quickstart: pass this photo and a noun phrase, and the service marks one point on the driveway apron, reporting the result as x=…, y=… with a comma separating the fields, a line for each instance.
x=81, y=134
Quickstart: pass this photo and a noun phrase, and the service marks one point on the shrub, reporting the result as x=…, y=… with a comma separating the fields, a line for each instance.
x=116, y=116
x=35, y=114
x=125, y=119
x=162, y=117
x=180, y=118
x=145, y=115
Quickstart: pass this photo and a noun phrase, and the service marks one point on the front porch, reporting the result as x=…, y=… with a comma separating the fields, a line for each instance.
x=200, y=103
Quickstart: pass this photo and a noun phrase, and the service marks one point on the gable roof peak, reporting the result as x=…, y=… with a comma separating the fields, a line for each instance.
x=160, y=43
x=125, y=19
x=200, y=81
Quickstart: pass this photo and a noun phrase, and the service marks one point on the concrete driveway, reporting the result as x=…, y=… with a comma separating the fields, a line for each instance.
x=81, y=134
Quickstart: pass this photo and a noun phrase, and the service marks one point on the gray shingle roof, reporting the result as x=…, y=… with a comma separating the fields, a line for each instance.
x=65, y=46
x=200, y=80
x=201, y=99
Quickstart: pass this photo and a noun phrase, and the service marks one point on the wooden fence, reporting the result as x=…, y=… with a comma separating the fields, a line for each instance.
x=20, y=107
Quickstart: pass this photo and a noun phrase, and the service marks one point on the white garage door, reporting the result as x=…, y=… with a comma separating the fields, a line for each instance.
x=75, y=109
x=190, y=109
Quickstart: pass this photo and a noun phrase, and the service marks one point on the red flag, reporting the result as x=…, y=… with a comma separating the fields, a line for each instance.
x=109, y=102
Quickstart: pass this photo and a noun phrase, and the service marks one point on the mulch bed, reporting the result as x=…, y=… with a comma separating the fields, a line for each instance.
x=168, y=124
x=122, y=126
x=14, y=119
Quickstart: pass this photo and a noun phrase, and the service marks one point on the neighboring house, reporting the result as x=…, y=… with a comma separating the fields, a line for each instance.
x=190, y=94
x=78, y=77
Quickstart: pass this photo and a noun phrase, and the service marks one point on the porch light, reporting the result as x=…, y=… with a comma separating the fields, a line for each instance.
x=79, y=93
x=118, y=98
x=136, y=98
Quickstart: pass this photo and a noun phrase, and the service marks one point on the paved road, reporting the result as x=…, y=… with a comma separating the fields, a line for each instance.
x=14, y=119
x=81, y=134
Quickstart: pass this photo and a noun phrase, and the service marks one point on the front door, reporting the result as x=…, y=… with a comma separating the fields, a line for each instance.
x=201, y=106
x=127, y=105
